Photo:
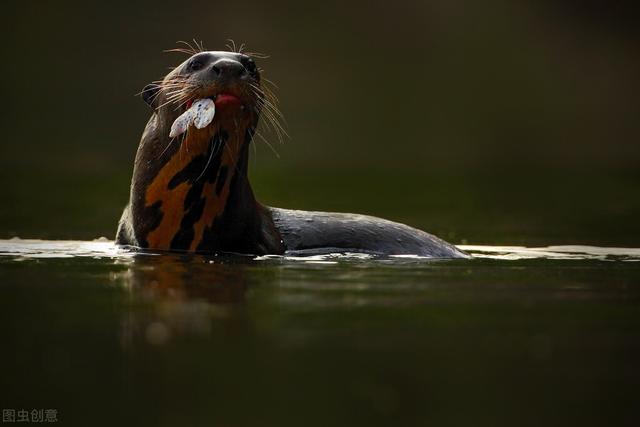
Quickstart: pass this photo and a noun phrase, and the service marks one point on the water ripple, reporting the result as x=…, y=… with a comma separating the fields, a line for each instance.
x=103, y=248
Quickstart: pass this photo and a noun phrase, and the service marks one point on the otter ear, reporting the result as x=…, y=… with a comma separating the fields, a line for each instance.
x=150, y=94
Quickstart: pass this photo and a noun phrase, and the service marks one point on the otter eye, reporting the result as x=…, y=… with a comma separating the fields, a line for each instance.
x=250, y=66
x=195, y=65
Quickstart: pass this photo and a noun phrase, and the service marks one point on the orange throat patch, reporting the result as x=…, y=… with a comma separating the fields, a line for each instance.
x=192, y=188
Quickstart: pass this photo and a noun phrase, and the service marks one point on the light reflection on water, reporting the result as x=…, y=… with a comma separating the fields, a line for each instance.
x=104, y=248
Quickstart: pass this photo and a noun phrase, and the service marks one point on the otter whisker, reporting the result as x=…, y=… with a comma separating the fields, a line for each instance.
x=200, y=45
x=270, y=82
x=171, y=140
x=269, y=125
x=255, y=155
x=231, y=47
x=272, y=107
x=181, y=98
x=277, y=115
x=186, y=140
x=237, y=142
x=257, y=55
x=212, y=152
x=264, y=96
x=259, y=135
x=173, y=91
x=180, y=50
x=188, y=98
x=191, y=48
x=168, y=79
x=274, y=123
x=268, y=97
x=164, y=104
x=174, y=82
x=271, y=121
x=170, y=101
x=175, y=95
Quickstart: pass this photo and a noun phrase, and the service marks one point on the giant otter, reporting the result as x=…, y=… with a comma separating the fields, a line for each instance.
x=190, y=190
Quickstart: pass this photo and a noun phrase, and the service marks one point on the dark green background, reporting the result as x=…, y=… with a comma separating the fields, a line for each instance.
x=494, y=122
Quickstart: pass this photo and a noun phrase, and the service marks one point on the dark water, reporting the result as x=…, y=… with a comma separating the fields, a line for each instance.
x=514, y=336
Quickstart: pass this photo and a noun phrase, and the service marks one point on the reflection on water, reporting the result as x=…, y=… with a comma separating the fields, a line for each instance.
x=183, y=296
x=554, y=252
x=372, y=340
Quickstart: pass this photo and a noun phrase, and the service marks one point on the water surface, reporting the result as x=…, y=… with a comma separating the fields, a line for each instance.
x=512, y=336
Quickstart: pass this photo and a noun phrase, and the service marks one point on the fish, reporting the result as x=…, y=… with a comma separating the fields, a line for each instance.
x=200, y=114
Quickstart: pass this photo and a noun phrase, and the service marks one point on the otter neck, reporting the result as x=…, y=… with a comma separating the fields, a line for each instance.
x=201, y=195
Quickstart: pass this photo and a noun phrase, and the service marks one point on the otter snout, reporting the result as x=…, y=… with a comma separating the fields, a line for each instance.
x=226, y=68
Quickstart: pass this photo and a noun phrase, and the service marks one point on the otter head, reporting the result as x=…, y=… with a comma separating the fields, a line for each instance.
x=231, y=80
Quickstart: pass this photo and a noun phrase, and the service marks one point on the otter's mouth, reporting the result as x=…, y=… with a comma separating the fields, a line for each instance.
x=223, y=99
x=220, y=99
x=200, y=112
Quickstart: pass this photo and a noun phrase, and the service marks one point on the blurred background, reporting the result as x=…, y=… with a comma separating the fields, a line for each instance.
x=496, y=122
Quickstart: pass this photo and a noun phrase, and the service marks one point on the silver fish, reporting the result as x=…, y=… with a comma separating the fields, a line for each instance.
x=181, y=124
x=200, y=114
x=204, y=111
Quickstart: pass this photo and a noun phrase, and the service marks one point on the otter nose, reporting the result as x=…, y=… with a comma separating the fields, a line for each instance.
x=228, y=68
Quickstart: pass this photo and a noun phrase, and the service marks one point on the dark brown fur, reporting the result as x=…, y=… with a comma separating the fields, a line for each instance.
x=193, y=193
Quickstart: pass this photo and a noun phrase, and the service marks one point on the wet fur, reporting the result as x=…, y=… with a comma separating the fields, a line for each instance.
x=193, y=193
